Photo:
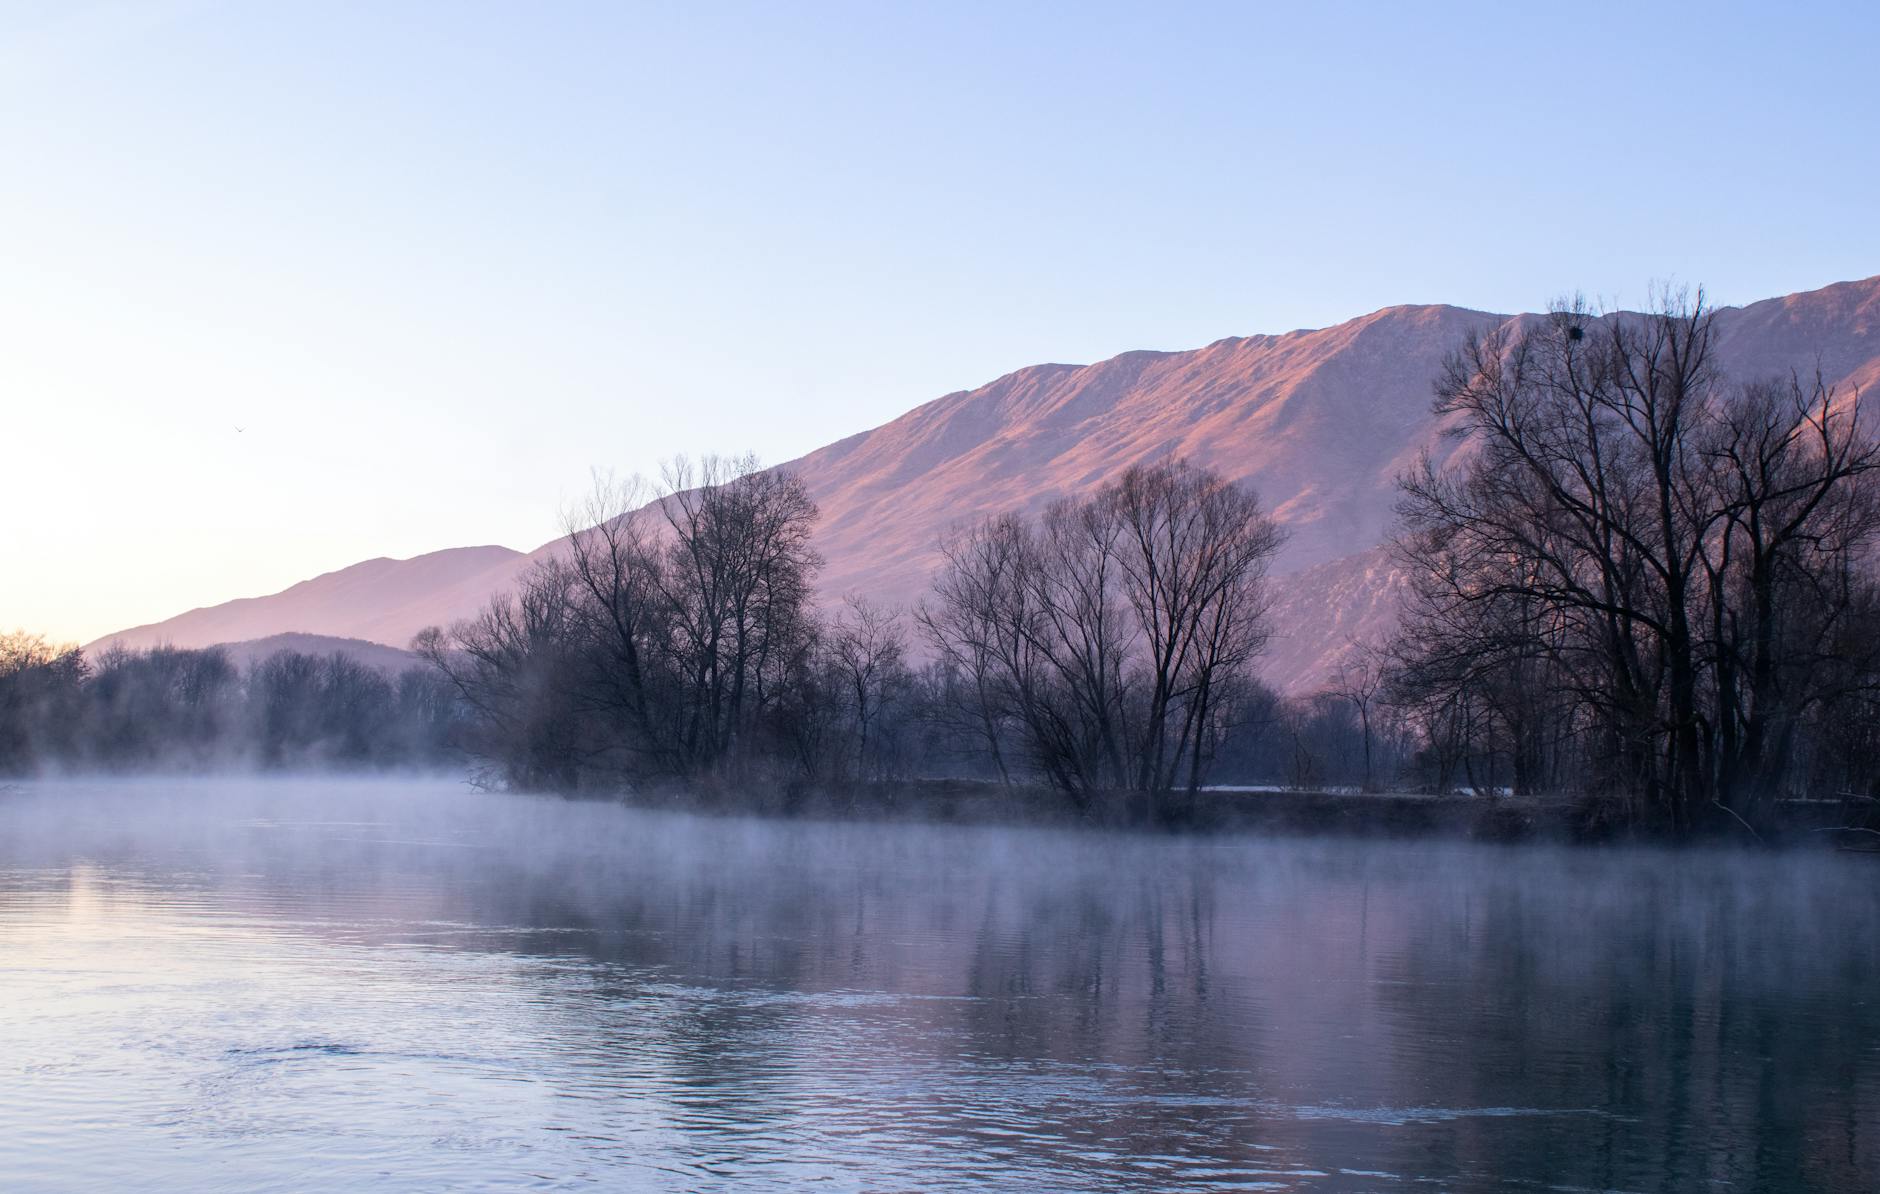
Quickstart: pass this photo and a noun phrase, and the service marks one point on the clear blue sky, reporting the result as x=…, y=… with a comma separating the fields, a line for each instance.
x=441, y=259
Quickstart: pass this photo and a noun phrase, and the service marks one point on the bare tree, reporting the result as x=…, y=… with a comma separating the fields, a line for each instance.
x=656, y=642
x=621, y=615
x=736, y=582
x=40, y=689
x=1659, y=543
x=1359, y=682
x=511, y=667
x=979, y=622
x=1114, y=635
x=1194, y=559
x=867, y=648
x=1789, y=473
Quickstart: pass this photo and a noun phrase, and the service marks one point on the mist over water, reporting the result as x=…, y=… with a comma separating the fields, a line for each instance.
x=283, y=984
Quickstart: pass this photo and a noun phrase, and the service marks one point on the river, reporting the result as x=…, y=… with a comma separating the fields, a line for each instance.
x=408, y=985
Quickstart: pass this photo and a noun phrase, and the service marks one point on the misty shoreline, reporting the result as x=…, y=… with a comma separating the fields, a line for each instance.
x=1272, y=812
x=1224, y=813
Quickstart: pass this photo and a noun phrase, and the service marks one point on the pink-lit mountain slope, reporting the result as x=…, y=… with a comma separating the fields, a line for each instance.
x=1321, y=422
x=382, y=601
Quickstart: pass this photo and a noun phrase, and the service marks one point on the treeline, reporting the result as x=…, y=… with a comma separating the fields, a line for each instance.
x=1105, y=647
x=1636, y=581
x=673, y=645
x=171, y=708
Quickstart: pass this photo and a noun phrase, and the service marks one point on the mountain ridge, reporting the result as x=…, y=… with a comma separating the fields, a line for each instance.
x=1320, y=420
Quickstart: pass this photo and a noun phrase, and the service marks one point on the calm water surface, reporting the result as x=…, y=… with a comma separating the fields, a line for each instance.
x=369, y=985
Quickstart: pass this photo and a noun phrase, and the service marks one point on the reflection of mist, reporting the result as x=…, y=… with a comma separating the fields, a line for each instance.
x=718, y=1000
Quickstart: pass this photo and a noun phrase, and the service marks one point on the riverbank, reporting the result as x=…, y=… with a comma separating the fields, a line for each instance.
x=1276, y=811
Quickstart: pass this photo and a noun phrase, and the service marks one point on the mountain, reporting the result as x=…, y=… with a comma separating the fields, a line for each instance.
x=1320, y=421
x=382, y=601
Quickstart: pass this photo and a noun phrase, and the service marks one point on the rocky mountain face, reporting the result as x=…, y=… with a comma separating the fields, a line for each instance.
x=1321, y=422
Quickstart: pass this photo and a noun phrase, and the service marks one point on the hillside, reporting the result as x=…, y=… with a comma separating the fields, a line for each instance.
x=1320, y=421
x=389, y=661
x=382, y=601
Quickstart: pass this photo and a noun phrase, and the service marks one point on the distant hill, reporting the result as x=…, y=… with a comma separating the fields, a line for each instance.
x=1320, y=421
x=389, y=660
x=381, y=601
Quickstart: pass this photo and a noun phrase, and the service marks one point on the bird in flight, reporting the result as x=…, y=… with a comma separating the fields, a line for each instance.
x=239, y=430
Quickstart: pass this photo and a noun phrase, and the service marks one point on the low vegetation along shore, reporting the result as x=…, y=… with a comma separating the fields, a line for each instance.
x=1645, y=603
x=1851, y=824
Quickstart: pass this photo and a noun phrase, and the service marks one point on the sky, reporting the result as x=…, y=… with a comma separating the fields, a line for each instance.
x=285, y=286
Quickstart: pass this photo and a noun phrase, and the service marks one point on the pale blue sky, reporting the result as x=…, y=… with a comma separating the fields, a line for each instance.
x=441, y=259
